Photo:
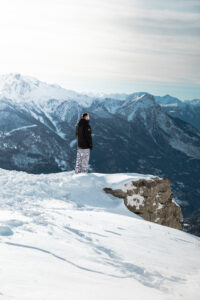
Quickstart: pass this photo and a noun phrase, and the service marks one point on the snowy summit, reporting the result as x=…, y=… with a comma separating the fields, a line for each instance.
x=20, y=88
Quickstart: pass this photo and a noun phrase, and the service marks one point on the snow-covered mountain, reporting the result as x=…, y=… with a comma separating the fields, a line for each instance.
x=188, y=110
x=52, y=106
x=63, y=237
x=143, y=109
x=168, y=100
x=131, y=133
x=27, y=89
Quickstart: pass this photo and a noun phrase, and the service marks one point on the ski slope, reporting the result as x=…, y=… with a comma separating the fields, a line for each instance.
x=62, y=237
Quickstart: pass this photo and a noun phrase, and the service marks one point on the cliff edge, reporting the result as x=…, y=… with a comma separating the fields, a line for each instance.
x=152, y=200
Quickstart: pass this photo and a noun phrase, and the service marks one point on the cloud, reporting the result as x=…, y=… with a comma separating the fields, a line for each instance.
x=102, y=42
x=160, y=26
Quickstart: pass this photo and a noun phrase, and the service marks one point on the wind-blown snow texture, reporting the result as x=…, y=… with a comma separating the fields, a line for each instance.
x=62, y=237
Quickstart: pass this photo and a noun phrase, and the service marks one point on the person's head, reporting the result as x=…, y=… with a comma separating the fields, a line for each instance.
x=86, y=116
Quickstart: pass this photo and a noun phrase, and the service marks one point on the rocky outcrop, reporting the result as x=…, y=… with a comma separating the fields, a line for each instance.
x=151, y=199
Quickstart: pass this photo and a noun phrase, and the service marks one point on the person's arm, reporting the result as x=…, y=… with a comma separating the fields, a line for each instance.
x=88, y=136
x=77, y=131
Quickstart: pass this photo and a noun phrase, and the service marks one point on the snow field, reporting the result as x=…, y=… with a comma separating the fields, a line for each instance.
x=62, y=237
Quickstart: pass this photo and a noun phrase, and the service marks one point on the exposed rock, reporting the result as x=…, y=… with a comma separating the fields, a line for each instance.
x=152, y=200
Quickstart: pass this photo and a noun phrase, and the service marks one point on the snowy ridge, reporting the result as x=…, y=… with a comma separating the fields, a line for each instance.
x=22, y=88
x=168, y=100
x=144, y=108
x=20, y=128
x=27, y=89
x=62, y=237
x=101, y=95
x=140, y=103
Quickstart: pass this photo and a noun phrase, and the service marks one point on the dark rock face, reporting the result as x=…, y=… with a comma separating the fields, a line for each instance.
x=192, y=224
x=152, y=200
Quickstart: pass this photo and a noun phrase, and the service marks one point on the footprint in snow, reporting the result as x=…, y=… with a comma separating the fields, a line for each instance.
x=14, y=223
x=5, y=231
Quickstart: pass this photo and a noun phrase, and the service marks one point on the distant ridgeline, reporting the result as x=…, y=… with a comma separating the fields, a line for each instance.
x=131, y=133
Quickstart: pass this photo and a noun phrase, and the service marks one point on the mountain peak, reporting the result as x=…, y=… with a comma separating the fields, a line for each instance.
x=14, y=75
x=136, y=95
x=142, y=105
x=168, y=100
x=20, y=88
x=17, y=77
x=140, y=99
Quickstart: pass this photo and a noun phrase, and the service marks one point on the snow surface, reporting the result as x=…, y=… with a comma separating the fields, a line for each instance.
x=20, y=128
x=135, y=200
x=62, y=237
x=171, y=104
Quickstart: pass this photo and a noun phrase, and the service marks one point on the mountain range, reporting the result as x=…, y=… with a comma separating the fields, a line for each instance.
x=136, y=132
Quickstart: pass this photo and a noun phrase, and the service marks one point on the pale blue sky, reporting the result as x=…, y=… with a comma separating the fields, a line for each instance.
x=105, y=45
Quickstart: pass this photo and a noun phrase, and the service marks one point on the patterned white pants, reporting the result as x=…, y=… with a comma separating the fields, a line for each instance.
x=82, y=160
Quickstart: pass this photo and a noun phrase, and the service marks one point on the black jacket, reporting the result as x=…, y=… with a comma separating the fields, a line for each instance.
x=84, y=134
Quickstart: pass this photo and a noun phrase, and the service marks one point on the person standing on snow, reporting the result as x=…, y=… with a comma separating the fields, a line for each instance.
x=84, y=144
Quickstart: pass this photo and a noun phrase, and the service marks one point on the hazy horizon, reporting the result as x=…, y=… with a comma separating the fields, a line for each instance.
x=121, y=46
